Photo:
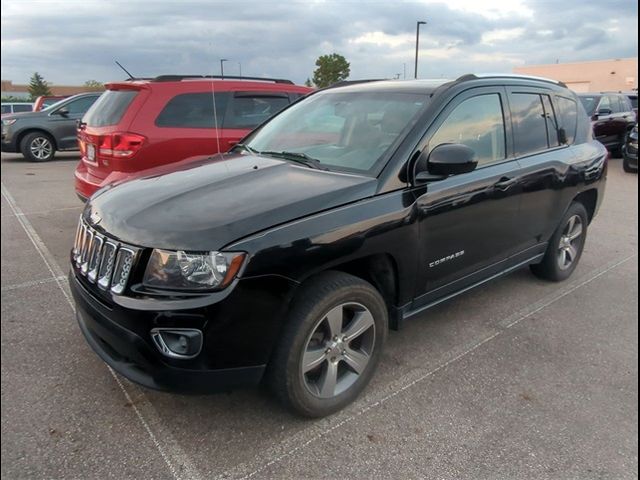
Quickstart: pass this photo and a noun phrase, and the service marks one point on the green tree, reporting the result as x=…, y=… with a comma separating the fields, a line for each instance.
x=38, y=86
x=308, y=82
x=94, y=85
x=331, y=69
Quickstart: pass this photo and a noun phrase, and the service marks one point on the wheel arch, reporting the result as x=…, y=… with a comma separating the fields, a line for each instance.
x=29, y=130
x=589, y=199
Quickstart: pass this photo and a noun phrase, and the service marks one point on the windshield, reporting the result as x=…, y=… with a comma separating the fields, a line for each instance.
x=590, y=103
x=340, y=131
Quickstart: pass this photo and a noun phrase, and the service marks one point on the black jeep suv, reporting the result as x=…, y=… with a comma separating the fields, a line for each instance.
x=351, y=211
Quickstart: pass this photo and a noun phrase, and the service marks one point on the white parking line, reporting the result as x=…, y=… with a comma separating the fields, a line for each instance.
x=504, y=325
x=42, y=212
x=32, y=283
x=179, y=464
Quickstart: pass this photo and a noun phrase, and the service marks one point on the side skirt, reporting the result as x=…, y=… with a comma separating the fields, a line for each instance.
x=407, y=312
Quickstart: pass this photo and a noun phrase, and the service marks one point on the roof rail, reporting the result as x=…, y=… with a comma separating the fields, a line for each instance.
x=472, y=76
x=178, y=78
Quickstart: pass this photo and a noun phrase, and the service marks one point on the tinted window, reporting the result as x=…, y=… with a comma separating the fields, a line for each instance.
x=552, y=122
x=590, y=103
x=80, y=105
x=477, y=123
x=568, y=117
x=251, y=111
x=529, y=122
x=634, y=102
x=109, y=108
x=22, y=108
x=194, y=110
x=6, y=108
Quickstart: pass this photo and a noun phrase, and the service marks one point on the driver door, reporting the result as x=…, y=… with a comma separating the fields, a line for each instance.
x=468, y=223
x=64, y=126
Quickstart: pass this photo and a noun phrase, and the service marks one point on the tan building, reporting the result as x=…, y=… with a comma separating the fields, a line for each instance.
x=9, y=89
x=620, y=74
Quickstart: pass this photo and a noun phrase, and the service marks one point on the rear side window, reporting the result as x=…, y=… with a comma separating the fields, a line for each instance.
x=478, y=123
x=22, y=108
x=194, y=110
x=249, y=111
x=109, y=108
x=531, y=123
x=568, y=117
x=6, y=108
x=634, y=102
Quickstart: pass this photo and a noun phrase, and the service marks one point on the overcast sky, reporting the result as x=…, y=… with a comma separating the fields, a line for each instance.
x=71, y=41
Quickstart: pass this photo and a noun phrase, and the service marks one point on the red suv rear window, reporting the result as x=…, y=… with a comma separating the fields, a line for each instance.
x=109, y=108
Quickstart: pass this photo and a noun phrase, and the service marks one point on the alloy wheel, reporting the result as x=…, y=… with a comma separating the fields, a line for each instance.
x=338, y=350
x=41, y=148
x=569, y=247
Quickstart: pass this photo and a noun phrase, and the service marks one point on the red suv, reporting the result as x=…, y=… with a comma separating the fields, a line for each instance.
x=140, y=124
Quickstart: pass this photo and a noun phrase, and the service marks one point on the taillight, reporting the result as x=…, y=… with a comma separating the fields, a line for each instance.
x=120, y=145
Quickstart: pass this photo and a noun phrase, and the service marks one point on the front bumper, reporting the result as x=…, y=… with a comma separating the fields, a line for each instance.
x=121, y=339
x=630, y=153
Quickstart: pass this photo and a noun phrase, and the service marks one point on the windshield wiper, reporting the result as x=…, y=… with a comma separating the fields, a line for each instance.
x=298, y=157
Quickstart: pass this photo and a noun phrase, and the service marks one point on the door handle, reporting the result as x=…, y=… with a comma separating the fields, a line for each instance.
x=505, y=183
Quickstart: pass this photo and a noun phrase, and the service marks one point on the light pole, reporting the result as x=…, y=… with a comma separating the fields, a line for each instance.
x=404, y=71
x=240, y=69
x=222, y=60
x=417, y=43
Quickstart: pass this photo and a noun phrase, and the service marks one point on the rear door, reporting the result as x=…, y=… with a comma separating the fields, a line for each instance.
x=64, y=125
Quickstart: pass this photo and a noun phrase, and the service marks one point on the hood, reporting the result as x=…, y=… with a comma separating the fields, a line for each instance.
x=214, y=203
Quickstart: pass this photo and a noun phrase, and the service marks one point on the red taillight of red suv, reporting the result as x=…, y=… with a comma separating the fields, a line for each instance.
x=120, y=145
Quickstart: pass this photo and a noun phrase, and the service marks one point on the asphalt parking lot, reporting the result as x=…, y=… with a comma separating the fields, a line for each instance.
x=517, y=379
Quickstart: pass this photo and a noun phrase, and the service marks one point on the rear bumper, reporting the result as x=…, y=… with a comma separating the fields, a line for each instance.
x=85, y=183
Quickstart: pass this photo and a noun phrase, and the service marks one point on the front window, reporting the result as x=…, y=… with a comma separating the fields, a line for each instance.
x=343, y=131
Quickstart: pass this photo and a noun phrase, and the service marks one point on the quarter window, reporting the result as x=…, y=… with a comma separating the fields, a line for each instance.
x=22, y=108
x=568, y=117
x=478, y=123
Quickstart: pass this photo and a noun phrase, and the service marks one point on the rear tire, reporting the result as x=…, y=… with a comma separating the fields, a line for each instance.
x=37, y=147
x=565, y=247
x=330, y=346
x=626, y=166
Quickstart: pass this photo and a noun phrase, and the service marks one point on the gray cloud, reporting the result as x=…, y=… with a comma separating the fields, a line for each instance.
x=75, y=40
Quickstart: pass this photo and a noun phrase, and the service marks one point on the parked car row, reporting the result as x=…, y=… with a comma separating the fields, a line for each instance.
x=612, y=117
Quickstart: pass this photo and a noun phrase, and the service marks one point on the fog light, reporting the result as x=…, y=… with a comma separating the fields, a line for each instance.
x=177, y=342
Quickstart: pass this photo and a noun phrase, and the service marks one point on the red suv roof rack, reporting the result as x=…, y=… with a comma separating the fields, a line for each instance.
x=178, y=78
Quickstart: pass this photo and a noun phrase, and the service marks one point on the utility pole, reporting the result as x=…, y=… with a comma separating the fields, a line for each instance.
x=222, y=60
x=240, y=69
x=417, y=43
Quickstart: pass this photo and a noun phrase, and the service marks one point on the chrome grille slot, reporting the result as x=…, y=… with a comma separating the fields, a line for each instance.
x=94, y=258
x=76, y=244
x=102, y=260
x=106, y=265
x=86, y=249
x=122, y=270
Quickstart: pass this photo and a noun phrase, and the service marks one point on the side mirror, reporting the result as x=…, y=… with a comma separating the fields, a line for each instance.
x=562, y=136
x=63, y=112
x=444, y=160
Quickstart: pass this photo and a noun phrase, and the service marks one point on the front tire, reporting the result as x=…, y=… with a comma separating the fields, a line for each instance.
x=626, y=165
x=37, y=147
x=565, y=247
x=330, y=346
